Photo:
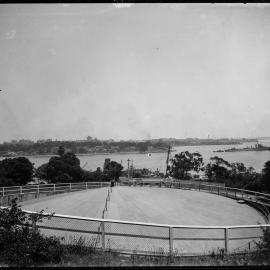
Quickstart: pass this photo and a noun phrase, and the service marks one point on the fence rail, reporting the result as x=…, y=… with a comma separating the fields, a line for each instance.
x=148, y=237
x=168, y=239
x=35, y=191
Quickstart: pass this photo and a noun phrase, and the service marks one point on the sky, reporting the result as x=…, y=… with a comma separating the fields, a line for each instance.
x=134, y=71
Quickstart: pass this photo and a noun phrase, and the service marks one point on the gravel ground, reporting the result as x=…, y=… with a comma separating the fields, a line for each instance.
x=154, y=205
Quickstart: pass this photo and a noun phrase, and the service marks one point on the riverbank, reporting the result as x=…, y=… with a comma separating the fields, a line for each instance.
x=95, y=154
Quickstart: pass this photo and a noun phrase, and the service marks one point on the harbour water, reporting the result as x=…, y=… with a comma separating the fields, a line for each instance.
x=256, y=159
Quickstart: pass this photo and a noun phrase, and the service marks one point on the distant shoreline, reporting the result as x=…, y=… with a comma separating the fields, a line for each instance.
x=91, y=154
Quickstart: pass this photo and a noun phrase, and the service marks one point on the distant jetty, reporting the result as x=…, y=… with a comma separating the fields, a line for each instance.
x=257, y=147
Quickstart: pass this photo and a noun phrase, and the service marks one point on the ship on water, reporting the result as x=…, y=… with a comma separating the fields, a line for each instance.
x=257, y=147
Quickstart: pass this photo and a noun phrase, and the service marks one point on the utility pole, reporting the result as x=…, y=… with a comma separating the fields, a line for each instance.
x=128, y=168
x=167, y=161
x=132, y=168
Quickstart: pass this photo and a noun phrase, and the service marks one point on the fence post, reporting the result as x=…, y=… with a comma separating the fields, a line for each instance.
x=3, y=191
x=86, y=187
x=226, y=238
x=226, y=192
x=20, y=189
x=70, y=187
x=53, y=188
x=37, y=189
x=171, y=241
x=103, y=235
x=34, y=224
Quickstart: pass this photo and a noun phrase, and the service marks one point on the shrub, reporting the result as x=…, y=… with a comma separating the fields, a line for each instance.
x=264, y=244
x=20, y=245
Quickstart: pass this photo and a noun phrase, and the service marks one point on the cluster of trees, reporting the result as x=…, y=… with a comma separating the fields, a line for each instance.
x=15, y=171
x=184, y=162
x=219, y=170
x=63, y=168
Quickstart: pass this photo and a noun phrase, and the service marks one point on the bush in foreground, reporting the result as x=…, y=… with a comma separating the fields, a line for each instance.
x=20, y=245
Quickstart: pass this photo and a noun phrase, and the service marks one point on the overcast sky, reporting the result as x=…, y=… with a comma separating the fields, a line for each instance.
x=134, y=72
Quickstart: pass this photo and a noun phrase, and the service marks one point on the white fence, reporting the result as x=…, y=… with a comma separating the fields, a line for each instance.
x=151, y=238
x=29, y=192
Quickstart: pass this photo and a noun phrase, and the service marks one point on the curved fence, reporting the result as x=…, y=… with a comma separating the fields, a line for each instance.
x=150, y=238
x=162, y=239
x=29, y=192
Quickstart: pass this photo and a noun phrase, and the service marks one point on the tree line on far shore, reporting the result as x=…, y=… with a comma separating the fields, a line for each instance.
x=65, y=168
x=218, y=170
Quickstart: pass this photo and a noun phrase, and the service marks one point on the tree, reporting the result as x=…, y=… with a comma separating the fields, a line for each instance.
x=242, y=177
x=112, y=169
x=18, y=170
x=41, y=171
x=61, y=151
x=115, y=170
x=266, y=176
x=184, y=162
x=218, y=169
x=59, y=169
x=4, y=181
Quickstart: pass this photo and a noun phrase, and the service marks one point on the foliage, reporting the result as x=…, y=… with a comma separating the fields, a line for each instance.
x=15, y=171
x=266, y=176
x=112, y=169
x=242, y=177
x=60, y=169
x=95, y=176
x=218, y=169
x=61, y=151
x=265, y=241
x=22, y=246
x=233, y=174
x=184, y=162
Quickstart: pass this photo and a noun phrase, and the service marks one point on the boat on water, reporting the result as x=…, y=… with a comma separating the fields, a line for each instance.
x=257, y=147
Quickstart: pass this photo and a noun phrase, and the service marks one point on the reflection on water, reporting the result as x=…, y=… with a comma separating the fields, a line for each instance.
x=158, y=160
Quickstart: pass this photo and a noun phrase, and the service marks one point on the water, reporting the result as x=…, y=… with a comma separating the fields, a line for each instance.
x=158, y=160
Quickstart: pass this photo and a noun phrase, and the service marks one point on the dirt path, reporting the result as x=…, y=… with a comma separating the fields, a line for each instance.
x=86, y=203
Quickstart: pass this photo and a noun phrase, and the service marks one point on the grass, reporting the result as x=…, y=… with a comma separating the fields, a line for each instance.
x=81, y=253
x=111, y=259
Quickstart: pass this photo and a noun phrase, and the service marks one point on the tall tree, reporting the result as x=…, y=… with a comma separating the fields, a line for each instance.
x=184, y=162
x=266, y=176
x=218, y=169
x=112, y=169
